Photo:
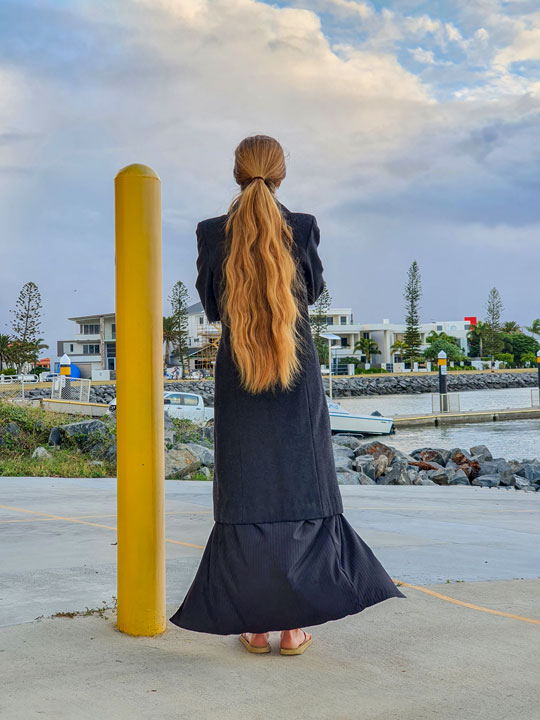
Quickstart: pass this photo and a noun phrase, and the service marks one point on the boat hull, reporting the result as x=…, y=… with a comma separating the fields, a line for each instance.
x=362, y=424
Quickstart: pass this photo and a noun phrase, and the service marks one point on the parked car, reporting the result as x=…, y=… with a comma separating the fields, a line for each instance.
x=187, y=405
x=180, y=405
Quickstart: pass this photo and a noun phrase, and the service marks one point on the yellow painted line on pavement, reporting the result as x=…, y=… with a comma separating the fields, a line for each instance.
x=113, y=515
x=441, y=509
x=84, y=517
x=201, y=547
x=466, y=604
x=84, y=522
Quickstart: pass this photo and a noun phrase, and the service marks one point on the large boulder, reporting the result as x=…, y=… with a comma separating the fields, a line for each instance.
x=364, y=479
x=465, y=461
x=92, y=436
x=366, y=465
x=376, y=449
x=486, y=481
x=347, y=477
x=84, y=428
x=421, y=478
x=180, y=462
x=380, y=465
x=343, y=458
x=458, y=478
x=426, y=465
x=499, y=467
x=441, y=476
x=349, y=441
x=54, y=436
x=520, y=483
x=530, y=470
x=481, y=452
x=204, y=454
x=11, y=428
x=396, y=474
x=437, y=455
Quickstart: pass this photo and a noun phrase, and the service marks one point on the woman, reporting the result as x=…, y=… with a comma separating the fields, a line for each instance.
x=280, y=554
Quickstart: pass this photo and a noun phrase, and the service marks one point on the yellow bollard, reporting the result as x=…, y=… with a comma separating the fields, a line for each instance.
x=139, y=402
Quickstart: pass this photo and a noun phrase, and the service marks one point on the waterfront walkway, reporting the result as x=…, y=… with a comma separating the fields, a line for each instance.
x=464, y=649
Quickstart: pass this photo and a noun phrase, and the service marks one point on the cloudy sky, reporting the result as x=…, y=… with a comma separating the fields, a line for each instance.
x=412, y=132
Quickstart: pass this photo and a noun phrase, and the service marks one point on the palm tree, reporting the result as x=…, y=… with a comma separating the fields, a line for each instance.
x=6, y=350
x=368, y=347
x=534, y=329
x=398, y=348
x=510, y=326
x=169, y=337
x=479, y=332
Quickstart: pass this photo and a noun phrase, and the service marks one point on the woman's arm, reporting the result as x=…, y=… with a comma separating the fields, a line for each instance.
x=313, y=267
x=205, y=279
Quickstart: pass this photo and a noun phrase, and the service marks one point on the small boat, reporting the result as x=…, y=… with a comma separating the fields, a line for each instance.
x=342, y=421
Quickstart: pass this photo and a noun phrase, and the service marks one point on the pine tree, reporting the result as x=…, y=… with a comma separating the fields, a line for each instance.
x=26, y=323
x=179, y=303
x=494, y=307
x=412, y=294
x=319, y=324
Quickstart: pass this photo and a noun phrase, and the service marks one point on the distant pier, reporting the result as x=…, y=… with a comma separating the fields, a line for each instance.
x=437, y=419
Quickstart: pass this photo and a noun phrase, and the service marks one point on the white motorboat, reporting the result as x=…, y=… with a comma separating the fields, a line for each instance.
x=342, y=421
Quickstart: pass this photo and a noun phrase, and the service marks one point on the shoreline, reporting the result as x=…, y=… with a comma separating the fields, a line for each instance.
x=343, y=386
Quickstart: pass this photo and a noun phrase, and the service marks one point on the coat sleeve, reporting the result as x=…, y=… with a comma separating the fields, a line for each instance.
x=312, y=265
x=205, y=279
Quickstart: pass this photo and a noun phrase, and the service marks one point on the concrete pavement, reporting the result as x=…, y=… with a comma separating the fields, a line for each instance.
x=459, y=650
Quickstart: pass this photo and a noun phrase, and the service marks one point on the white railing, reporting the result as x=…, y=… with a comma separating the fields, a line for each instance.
x=12, y=391
x=445, y=402
x=70, y=389
x=18, y=379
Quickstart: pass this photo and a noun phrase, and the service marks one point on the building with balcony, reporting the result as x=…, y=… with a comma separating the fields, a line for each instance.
x=340, y=321
x=93, y=344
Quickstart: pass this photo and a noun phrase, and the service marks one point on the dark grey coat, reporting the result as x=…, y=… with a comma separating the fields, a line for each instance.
x=273, y=451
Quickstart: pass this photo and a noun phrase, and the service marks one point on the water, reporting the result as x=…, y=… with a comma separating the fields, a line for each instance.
x=511, y=439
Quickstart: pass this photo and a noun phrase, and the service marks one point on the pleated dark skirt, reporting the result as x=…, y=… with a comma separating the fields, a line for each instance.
x=263, y=577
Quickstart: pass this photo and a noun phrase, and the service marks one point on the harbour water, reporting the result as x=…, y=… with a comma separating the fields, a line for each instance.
x=510, y=439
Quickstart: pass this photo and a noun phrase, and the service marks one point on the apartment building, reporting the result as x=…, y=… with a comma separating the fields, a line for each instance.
x=93, y=344
x=340, y=321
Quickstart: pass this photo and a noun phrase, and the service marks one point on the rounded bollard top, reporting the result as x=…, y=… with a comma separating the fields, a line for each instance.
x=138, y=170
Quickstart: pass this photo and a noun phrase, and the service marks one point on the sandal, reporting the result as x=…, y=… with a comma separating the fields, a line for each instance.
x=300, y=649
x=254, y=648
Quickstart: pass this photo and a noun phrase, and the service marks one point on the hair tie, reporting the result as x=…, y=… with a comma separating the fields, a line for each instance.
x=257, y=177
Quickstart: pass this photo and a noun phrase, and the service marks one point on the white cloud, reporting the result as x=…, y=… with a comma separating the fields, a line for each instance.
x=375, y=150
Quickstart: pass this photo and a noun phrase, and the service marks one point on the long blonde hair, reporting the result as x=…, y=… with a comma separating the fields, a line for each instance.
x=261, y=283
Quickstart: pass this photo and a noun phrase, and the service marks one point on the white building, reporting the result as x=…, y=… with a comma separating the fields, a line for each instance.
x=93, y=344
x=340, y=321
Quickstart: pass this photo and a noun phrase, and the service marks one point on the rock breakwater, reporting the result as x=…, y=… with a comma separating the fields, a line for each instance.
x=348, y=386
x=361, y=462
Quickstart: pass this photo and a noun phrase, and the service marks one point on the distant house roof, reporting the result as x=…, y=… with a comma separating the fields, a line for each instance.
x=89, y=317
x=191, y=310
